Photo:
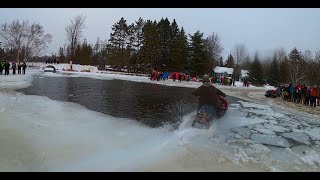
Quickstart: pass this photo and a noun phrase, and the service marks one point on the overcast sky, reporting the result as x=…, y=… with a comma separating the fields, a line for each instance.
x=260, y=29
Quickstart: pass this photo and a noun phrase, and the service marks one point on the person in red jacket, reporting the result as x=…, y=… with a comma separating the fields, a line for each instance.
x=314, y=94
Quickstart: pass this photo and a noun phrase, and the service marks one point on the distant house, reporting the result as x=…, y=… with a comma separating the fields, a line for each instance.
x=219, y=72
x=244, y=74
x=222, y=72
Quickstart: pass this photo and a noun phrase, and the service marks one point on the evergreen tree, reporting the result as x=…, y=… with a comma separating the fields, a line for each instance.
x=199, y=56
x=179, y=52
x=255, y=72
x=165, y=32
x=274, y=78
x=62, y=58
x=138, y=33
x=247, y=63
x=221, y=64
x=175, y=63
x=86, y=53
x=118, y=43
x=150, y=44
x=230, y=62
x=284, y=74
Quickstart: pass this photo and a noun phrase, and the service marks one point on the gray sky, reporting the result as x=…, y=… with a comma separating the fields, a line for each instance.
x=260, y=29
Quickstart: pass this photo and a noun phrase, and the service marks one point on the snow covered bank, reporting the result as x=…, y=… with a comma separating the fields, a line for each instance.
x=64, y=66
x=11, y=82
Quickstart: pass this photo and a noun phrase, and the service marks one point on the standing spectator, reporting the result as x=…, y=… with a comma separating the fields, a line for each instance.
x=24, y=66
x=6, y=68
x=14, y=67
x=1, y=66
x=314, y=94
x=298, y=94
x=307, y=96
x=318, y=96
x=292, y=91
x=303, y=93
x=19, y=67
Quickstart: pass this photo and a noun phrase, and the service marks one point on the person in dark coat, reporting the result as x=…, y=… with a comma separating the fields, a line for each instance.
x=1, y=67
x=208, y=94
x=24, y=66
x=307, y=96
x=19, y=68
x=6, y=68
x=14, y=67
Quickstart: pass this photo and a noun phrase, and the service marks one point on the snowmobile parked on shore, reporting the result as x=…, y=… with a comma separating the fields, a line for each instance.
x=272, y=93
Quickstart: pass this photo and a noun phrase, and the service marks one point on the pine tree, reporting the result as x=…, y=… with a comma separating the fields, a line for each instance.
x=165, y=32
x=284, y=75
x=150, y=44
x=86, y=53
x=118, y=43
x=274, y=72
x=96, y=53
x=230, y=62
x=138, y=33
x=77, y=54
x=221, y=64
x=179, y=52
x=62, y=58
x=199, y=56
x=175, y=63
x=247, y=63
x=255, y=72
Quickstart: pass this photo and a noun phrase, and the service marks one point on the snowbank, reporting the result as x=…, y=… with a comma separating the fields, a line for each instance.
x=65, y=66
x=11, y=82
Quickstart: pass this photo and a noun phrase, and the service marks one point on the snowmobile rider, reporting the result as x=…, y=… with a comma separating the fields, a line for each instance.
x=208, y=94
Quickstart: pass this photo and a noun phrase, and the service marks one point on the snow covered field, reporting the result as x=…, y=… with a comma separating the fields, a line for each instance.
x=40, y=134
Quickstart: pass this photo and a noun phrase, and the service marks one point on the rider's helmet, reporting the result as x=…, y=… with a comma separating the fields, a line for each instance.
x=205, y=78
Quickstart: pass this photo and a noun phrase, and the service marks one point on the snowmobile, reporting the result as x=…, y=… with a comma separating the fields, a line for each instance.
x=207, y=114
x=271, y=93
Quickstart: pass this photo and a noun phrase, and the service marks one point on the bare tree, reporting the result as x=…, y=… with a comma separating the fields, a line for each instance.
x=74, y=33
x=307, y=56
x=313, y=67
x=280, y=54
x=35, y=40
x=21, y=35
x=240, y=53
x=297, y=66
x=247, y=62
x=214, y=47
x=12, y=34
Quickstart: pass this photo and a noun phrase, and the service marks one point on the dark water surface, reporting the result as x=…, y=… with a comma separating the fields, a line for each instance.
x=150, y=104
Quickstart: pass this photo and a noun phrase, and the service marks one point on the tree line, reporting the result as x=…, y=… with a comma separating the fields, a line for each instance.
x=143, y=45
